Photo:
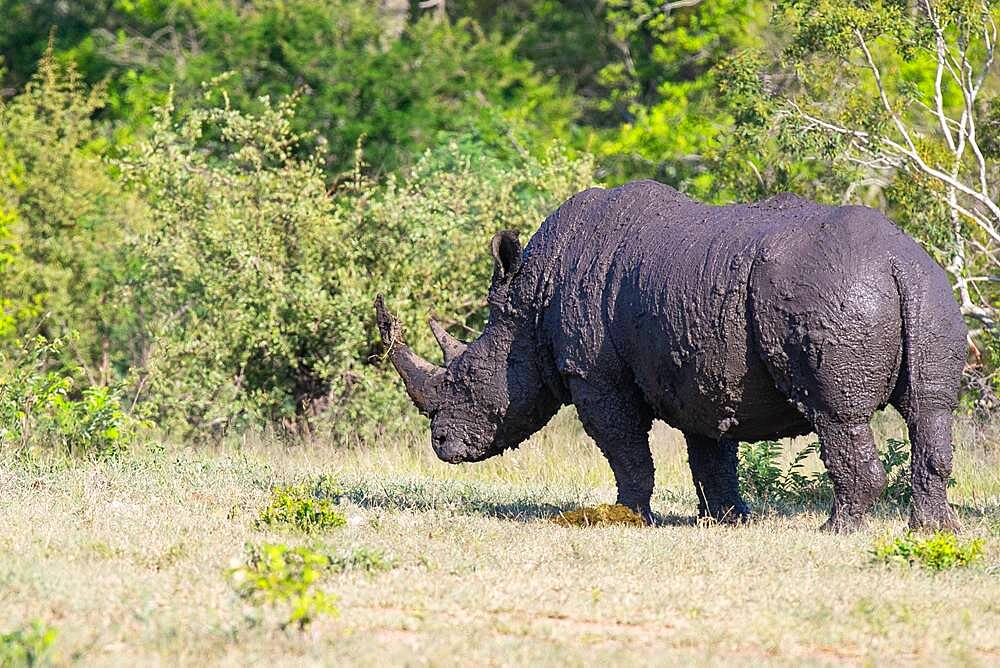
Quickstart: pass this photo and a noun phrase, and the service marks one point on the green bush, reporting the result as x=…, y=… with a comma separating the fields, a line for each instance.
x=258, y=285
x=940, y=552
x=895, y=458
x=243, y=274
x=763, y=479
x=64, y=227
x=302, y=508
x=28, y=646
x=232, y=282
x=422, y=240
x=232, y=285
x=41, y=405
x=760, y=474
x=275, y=574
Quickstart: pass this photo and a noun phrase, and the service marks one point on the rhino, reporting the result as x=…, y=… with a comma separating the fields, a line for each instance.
x=729, y=323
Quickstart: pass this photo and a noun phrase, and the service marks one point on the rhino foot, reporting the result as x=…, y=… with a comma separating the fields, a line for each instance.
x=728, y=514
x=842, y=523
x=939, y=519
x=642, y=508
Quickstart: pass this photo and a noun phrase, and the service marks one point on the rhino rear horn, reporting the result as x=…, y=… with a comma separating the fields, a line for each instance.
x=420, y=377
x=450, y=346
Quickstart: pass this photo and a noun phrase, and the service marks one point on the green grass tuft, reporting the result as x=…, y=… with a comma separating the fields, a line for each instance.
x=279, y=574
x=307, y=508
x=27, y=646
x=364, y=559
x=940, y=552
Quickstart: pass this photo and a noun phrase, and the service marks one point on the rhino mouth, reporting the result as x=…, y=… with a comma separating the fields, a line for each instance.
x=492, y=451
x=458, y=452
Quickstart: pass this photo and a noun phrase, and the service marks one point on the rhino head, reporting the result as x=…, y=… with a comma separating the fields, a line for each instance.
x=490, y=395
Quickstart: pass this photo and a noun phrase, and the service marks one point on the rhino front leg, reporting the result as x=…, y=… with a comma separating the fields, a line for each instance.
x=619, y=422
x=713, y=469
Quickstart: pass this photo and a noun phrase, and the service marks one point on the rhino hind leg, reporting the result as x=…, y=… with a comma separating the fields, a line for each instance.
x=619, y=422
x=930, y=436
x=851, y=458
x=713, y=470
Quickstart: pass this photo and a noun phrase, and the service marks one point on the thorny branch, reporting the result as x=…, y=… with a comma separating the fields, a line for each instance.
x=667, y=7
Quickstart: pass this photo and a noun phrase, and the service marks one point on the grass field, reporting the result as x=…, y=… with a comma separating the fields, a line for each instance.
x=126, y=559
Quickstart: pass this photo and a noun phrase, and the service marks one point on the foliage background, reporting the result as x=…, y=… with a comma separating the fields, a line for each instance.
x=200, y=198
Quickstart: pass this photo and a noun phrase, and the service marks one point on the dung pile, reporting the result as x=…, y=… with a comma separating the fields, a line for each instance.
x=605, y=514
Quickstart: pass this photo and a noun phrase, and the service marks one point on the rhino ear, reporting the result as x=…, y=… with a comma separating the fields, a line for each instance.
x=506, y=251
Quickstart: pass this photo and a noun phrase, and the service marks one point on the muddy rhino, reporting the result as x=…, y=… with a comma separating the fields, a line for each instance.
x=729, y=323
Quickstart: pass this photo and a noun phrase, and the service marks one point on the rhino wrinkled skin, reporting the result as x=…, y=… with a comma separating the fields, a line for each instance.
x=732, y=323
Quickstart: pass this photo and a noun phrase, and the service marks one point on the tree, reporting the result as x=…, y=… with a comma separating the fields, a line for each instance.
x=663, y=86
x=566, y=40
x=369, y=71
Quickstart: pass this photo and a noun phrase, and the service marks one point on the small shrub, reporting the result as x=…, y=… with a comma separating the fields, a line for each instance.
x=362, y=559
x=601, y=515
x=763, y=479
x=28, y=646
x=760, y=473
x=940, y=552
x=275, y=574
x=40, y=404
x=303, y=507
x=895, y=458
x=328, y=488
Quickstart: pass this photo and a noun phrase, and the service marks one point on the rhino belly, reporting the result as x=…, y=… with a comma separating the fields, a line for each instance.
x=710, y=380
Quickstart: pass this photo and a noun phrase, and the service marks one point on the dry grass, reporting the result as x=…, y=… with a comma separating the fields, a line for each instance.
x=127, y=558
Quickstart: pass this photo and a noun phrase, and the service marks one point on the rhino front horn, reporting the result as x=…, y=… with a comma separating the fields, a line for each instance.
x=450, y=346
x=420, y=377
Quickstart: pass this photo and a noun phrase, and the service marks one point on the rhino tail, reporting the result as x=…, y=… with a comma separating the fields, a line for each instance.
x=934, y=339
x=904, y=396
